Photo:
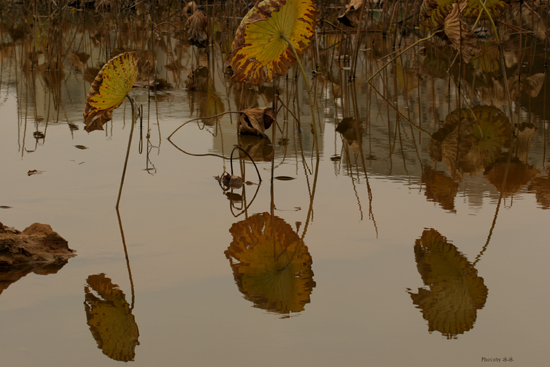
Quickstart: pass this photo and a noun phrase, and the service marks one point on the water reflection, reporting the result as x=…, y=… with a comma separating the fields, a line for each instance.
x=455, y=292
x=271, y=264
x=110, y=318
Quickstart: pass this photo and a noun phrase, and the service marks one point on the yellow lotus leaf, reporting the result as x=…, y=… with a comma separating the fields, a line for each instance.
x=110, y=318
x=271, y=264
x=110, y=87
x=260, y=51
x=455, y=291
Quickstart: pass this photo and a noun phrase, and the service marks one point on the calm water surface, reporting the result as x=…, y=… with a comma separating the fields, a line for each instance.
x=375, y=254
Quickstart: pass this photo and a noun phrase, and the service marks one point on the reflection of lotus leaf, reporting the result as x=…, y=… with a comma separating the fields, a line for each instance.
x=271, y=264
x=440, y=188
x=352, y=130
x=260, y=149
x=110, y=319
x=541, y=186
x=210, y=105
x=433, y=12
x=456, y=291
x=471, y=139
x=517, y=174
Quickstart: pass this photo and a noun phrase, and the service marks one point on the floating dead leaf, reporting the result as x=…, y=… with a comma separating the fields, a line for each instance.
x=34, y=172
x=110, y=87
x=455, y=291
x=231, y=181
x=255, y=121
x=460, y=35
x=197, y=33
x=81, y=147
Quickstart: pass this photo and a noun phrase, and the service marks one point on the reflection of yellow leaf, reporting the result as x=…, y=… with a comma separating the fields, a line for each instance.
x=271, y=265
x=259, y=51
x=456, y=291
x=110, y=87
x=110, y=319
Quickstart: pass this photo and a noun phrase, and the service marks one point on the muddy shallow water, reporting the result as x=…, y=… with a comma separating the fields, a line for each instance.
x=376, y=253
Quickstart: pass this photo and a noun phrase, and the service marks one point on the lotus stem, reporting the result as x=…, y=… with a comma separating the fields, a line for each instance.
x=127, y=151
x=308, y=94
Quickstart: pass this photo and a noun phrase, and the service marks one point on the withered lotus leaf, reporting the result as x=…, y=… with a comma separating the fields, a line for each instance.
x=271, y=264
x=352, y=14
x=110, y=318
x=197, y=33
x=110, y=87
x=255, y=121
x=460, y=35
x=260, y=51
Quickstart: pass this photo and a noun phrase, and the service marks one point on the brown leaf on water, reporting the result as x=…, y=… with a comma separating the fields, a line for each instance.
x=460, y=35
x=256, y=121
x=197, y=33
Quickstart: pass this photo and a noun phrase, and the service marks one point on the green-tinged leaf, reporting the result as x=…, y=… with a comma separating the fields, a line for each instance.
x=110, y=87
x=259, y=50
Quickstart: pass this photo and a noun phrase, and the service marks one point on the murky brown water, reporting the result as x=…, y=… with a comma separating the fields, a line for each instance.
x=394, y=248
